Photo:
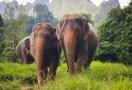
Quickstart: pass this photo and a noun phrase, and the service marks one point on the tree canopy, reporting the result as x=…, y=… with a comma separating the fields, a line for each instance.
x=115, y=36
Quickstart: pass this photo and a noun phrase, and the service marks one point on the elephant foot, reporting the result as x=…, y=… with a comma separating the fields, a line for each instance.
x=40, y=82
x=39, y=87
x=71, y=74
x=78, y=69
x=51, y=76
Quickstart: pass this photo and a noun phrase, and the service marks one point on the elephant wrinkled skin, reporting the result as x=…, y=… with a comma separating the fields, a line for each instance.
x=23, y=51
x=79, y=42
x=45, y=50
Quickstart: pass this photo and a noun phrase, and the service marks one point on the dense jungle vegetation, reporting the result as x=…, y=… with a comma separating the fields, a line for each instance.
x=115, y=35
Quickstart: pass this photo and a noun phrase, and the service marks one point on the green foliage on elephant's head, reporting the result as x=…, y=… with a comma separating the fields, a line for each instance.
x=87, y=17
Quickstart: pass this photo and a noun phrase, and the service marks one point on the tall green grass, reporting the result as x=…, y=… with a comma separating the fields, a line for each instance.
x=99, y=76
x=14, y=75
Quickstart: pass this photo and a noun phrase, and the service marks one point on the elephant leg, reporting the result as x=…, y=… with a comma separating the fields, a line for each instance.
x=92, y=46
x=90, y=57
x=41, y=73
x=21, y=61
x=52, y=69
x=82, y=57
x=76, y=57
x=88, y=63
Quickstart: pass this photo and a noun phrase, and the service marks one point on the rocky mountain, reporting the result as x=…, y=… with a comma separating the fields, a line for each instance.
x=61, y=7
x=2, y=6
x=29, y=6
x=104, y=7
x=41, y=2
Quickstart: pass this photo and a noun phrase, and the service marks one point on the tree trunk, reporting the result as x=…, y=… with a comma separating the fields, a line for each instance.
x=14, y=43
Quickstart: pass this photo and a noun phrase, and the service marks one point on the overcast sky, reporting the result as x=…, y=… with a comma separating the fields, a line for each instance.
x=96, y=2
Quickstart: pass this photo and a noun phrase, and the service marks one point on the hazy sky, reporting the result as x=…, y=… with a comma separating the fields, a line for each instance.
x=96, y=2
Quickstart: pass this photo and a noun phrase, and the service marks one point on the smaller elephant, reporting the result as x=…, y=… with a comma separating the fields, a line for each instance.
x=23, y=51
x=45, y=49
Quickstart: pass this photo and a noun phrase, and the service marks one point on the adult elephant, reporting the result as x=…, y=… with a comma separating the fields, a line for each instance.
x=23, y=51
x=79, y=42
x=45, y=50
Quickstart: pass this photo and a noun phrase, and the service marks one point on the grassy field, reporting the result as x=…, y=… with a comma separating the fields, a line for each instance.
x=99, y=76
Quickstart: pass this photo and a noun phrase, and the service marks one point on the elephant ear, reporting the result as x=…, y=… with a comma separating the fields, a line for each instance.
x=86, y=29
x=56, y=41
x=27, y=45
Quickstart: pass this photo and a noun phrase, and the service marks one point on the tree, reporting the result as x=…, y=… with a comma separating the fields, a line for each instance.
x=1, y=34
x=14, y=18
x=15, y=23
x=87, y=17
x=30, y=25
x=1, y=26
x=115, y=36
x=1, y=21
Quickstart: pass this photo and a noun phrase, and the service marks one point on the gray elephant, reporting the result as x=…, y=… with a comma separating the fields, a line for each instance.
x=79, y=42
x=45, y=49
x=23, y=51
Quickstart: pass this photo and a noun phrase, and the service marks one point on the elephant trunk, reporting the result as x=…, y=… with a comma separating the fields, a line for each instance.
x=69, y=44
x=41, y=70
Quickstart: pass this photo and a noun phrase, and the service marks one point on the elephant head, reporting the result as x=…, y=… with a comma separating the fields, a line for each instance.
x=75, y=23
x=73, y=32
x=23, y=51
x=44, y=49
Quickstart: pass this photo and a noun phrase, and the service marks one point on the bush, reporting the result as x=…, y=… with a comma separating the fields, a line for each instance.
x=8, y=55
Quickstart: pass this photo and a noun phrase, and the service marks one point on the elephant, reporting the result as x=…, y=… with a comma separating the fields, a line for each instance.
x=45, y=49
x=79, y=42
x=23, y=51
